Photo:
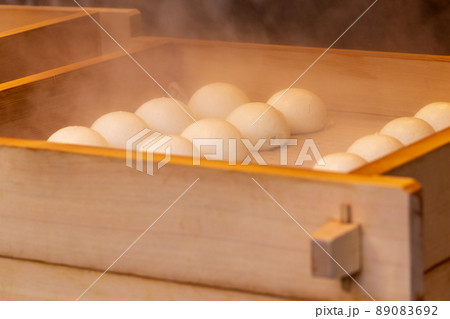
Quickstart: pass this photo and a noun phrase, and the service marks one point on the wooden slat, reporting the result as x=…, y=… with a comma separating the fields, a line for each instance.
x=412, y=152
x=406, y=184
x=34, y=48
x=69, y=9
x=13, y=17
x=355, y=81
x=69, y=37
x=122, y=25
x=36, y=106
x=432, y=171
x=296, y=49
x=437, y=282
x=427, y=162
x=26, y=280
x=225, y=232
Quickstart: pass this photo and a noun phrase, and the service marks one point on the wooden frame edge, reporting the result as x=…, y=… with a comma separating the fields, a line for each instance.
x=41, y=24
x=318, y=50
x=406, y=154
x=408, y=185
x=77, y=65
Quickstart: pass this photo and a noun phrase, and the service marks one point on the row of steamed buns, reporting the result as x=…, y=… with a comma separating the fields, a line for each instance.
x=221, y=110
x=394, y=135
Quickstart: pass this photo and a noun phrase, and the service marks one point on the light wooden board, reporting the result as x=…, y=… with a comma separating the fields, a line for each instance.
x=26, y=280
x=36, y=106
x=63, y=38
x=13, y=17
x=432, y=171
x=33, y=49
x=437, y=282
x=427, y=162
x=122, y=24
x=86, y=210
x=347, y=80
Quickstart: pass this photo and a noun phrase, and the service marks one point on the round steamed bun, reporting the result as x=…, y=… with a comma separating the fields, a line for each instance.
x=407, y=129
x=258, y=121
x=436, y=114
x=372, y=147
x=78, y=135
x=118, y=127
x=216, y=129
x=340, y=162
x=304, y=111
x=216, y=100
x=165, y=115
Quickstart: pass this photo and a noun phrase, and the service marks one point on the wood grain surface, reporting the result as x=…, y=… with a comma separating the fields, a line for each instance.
x=84, y=211
x=26, y=280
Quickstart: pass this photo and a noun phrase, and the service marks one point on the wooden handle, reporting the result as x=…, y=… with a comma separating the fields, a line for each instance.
x=336, y=246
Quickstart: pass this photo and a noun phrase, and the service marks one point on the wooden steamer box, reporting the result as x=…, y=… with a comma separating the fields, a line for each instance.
x=68, y=212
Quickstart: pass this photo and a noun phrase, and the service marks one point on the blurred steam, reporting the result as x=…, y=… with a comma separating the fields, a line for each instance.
x=416, y=26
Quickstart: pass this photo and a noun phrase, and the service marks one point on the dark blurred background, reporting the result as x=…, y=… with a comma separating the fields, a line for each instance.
x=414, y=26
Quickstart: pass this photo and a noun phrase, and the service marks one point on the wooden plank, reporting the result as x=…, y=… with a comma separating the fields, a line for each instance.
x=353, y=81
x=36, y=106
x=437, y=282
x=13, y=17
x=123, y=26
x=432, y=172
x=69, y=9
x=61, y=40
x=427, y=162
x=295, y=48
x=85, y=211
x=26, y=280
x=32, y=49
x=412, y=152
x=406, y=184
